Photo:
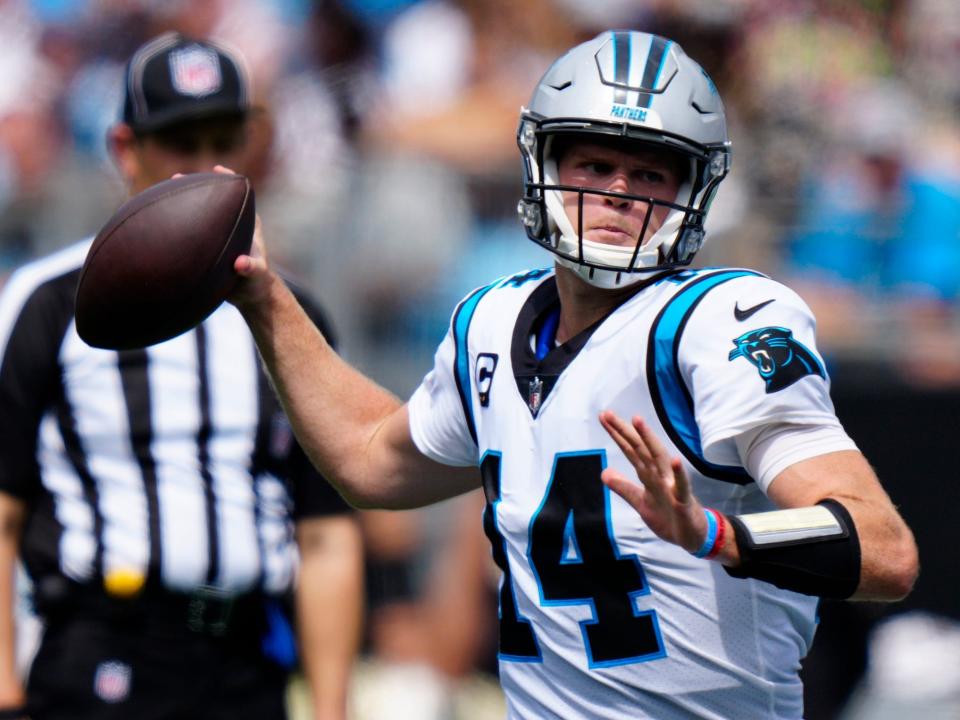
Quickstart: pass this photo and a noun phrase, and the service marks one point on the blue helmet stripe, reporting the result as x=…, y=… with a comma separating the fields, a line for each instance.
x=621, y=65
x=654, y=67
x=670, y=395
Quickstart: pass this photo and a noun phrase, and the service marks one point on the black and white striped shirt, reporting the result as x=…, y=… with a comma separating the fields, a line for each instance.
x=173, y=463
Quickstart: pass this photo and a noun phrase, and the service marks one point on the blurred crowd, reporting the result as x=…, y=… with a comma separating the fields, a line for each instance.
x=387, y=177
x=386, y=167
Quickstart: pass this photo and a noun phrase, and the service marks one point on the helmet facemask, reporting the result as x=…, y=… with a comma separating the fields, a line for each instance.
x=636, y=89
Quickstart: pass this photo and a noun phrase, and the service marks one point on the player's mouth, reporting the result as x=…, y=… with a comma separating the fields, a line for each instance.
x=611, y=235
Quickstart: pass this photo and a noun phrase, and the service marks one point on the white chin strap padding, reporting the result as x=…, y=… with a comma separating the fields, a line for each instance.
x=613, y=256
x=601, y=253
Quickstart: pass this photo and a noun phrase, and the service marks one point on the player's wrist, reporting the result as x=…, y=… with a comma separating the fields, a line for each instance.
x=712, y=533
x=719, y=542
x=257, y=298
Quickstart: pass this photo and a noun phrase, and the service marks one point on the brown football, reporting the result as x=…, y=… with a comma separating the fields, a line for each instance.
x=164, y=261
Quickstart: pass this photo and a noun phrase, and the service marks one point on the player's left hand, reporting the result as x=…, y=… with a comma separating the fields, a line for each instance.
x=662, y=497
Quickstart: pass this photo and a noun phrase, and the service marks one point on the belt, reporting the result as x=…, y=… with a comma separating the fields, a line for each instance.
x=205, y=610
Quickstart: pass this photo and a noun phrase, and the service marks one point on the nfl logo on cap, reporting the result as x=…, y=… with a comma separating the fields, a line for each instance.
x=195, y=71
x=174, y=79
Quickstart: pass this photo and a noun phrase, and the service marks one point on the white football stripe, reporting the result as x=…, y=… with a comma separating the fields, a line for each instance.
x=176, y=421
x=77, y=544
x=95, y=393
x=276, y=534
x=232, y=370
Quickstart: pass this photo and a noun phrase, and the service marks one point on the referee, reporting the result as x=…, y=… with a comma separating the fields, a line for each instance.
x=157, y=497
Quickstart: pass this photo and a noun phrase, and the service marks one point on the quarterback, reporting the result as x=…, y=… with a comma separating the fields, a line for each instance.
x=669, y=491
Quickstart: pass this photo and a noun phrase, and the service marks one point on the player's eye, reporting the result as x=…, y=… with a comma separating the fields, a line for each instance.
x=650, y=177
x=597, y=167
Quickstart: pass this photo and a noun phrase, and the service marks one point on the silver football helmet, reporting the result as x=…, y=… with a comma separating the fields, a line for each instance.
x=638, y=87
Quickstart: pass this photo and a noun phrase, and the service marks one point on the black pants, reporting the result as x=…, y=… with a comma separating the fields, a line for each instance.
x=93, y=668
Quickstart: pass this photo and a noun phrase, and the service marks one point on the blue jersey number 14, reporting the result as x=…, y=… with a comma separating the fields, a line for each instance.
x=575, y=560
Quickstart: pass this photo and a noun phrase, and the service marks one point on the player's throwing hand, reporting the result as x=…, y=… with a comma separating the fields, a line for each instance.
x=663, y=497
x=253, y=269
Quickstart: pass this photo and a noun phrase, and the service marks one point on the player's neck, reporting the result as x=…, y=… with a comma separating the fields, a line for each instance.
x=582, y=304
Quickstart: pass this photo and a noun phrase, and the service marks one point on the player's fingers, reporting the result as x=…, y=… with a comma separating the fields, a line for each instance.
x=627, y=439
x=627, y=448
x=645, y=472
x=681, y=481
x=249, y=266
x=658, y=453
x=258, y=247
x=630, y=490
x=223, y=170
x=255, y=262
x=613, y=425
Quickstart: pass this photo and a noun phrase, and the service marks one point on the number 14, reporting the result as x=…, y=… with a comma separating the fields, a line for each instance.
x=575, y=561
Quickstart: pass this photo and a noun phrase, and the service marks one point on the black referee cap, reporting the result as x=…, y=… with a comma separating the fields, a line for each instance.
x=174, y=78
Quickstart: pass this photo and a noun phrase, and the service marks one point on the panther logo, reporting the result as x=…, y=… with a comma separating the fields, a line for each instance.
x=779, y=358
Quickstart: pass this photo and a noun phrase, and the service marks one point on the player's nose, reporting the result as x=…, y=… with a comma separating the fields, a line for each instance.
x=619, y=183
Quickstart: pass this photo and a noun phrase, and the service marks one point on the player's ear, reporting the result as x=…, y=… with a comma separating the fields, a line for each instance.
x=122, y=145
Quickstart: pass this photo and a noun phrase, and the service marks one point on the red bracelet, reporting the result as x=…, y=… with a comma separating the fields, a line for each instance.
x=721, y=535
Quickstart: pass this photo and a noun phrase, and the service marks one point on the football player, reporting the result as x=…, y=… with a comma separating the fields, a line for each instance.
x=738, y=499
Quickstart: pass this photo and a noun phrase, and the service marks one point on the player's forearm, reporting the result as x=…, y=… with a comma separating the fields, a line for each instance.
x=889, y=561
x=335, y=411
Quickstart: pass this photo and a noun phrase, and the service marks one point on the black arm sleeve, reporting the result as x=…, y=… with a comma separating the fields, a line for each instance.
x=823, y=567
x=30, y=379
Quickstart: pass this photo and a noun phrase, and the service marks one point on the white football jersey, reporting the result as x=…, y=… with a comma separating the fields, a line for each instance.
x=599, y=618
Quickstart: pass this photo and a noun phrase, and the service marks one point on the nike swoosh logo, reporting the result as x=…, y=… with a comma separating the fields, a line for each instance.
x=742, y=315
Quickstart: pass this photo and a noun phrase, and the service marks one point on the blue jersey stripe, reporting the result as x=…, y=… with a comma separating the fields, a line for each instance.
x=461, y=363
x=669, y=392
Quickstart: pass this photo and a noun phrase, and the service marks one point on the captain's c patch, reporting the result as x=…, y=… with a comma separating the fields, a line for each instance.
x=486, y=366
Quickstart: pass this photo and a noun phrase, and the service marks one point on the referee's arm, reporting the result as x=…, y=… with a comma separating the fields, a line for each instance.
x=329, y=603
x=33, y=320
x=12, y=514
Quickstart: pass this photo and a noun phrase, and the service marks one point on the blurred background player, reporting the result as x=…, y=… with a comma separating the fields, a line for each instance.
x=157, y=497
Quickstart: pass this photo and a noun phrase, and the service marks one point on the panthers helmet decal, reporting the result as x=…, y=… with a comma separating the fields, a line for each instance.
x=779, y=359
